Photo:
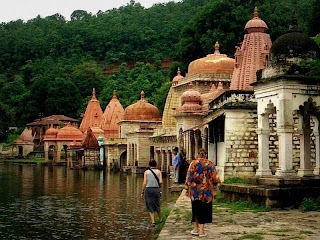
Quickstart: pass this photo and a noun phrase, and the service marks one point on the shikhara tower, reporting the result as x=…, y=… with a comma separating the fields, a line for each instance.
x=252, y=54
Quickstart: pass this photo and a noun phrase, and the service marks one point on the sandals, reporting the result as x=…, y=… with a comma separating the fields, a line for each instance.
x=197, y=234
x=152, y=225
x=194, y=233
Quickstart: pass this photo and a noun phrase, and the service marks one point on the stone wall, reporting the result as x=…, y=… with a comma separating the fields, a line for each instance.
x=274, y=144
x=92, y=157
x=241, y=143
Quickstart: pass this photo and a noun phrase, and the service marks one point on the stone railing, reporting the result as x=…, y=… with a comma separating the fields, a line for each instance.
x=234, y=98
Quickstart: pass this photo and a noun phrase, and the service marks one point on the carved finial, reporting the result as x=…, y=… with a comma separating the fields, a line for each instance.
x=220, y=87
x=216, y=48
x=93, y=94
x=142, y=97
x=114, y=94
x=178, y=72
x=190, y=85
x=294, y=22
x=256, y=13
x=69, y=124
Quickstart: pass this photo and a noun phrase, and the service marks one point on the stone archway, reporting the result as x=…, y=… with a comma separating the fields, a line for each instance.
x=52, y=153
x=309, y=115
x=263, y=132
x=123, y=159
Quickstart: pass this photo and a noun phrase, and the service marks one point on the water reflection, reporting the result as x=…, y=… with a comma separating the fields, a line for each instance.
x=56, y=203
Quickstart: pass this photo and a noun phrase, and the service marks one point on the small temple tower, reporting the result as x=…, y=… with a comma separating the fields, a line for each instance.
x=172, y=103
x=140, y=121
x=112, y=115
x=252, y=54
x=189, y=115
x=93, y=115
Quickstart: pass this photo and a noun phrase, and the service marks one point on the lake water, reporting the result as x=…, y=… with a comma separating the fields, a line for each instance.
x=43, y=202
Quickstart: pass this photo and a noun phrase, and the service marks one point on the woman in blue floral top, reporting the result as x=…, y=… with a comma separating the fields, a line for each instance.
x=202, y=182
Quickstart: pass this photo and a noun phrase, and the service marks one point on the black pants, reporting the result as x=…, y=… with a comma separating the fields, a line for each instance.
x=202, y=211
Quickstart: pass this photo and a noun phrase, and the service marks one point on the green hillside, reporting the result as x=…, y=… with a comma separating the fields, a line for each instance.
x=50, y=65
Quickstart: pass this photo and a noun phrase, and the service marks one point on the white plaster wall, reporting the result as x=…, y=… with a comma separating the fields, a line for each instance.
x=212, y=153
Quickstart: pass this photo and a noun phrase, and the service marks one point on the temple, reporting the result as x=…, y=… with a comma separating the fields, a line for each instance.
x=255, y=115
x=252, y=54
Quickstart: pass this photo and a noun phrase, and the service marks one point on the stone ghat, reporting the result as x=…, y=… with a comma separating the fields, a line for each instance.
x=273, y=192
x=230, y=225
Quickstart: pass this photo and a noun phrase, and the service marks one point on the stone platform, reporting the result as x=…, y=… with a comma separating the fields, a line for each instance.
x=273, y=191
x=230, y=225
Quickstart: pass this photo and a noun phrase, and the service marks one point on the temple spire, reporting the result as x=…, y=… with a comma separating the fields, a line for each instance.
x=114, y=94
x=178, y=72
x=216, y=48
x=293, y=27
x=255, y=12
x=142, y=97
x=93, y=94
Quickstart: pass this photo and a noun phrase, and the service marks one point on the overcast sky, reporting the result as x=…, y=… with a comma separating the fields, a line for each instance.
x=28, y=9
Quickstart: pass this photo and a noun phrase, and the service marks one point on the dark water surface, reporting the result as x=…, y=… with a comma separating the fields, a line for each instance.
x=40, y=202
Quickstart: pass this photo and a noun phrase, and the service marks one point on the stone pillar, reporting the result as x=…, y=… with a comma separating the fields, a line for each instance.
x=46, y=151
x=316, y=170
x=263, y=153
x=165, y=163
x=196, y=143
x=162, y=161
x=58, y=153
x=189, y=146
x=156, y=157
x=263, y=132
x=305, y=161
x=100, y=141
x=285, y=153
x=135, y=154
x=285, y=132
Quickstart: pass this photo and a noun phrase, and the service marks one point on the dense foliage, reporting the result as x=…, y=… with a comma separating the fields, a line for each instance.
x=50, y=65
x=224, y=21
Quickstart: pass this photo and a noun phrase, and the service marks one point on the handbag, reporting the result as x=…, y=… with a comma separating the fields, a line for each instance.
x=156, y=177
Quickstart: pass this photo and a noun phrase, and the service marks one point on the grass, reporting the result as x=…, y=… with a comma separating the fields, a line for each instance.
x=31, y=160
x=306, y=232
x=251, y=236
x=165, y=209
x=236, y=180
x=310, y=204
x=239, y=206
x=282, y=230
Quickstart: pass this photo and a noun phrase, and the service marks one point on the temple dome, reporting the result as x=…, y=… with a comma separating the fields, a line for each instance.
x=256, y=24
x=212, y=63
x=294, y=44
x=177, y=78
x=112, y=115
x=51, y=133
x=287, y=52
x=142, y=111
x=69, y=133
x=191, y=101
